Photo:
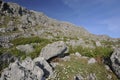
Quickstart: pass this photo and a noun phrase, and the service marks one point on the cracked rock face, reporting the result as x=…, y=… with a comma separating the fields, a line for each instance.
x=115, y=60
x=37, y=69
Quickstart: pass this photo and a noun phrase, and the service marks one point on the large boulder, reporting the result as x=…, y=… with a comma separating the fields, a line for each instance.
x=54, y=49
x=115, y=62
x=37, y=69
x=44, y=65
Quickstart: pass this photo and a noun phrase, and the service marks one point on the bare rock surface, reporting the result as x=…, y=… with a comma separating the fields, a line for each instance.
x=91, y=61
x=5, y=59
x=54, y=49
x=37, y=69
x=115, y=61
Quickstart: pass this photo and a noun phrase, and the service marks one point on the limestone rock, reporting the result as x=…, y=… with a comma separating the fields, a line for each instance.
x=54, y=49
x=27, y=70
x=91, y=61
x=45, y=66
x=78, y=54
x=78, y=77
x=6, y=59
x=91, y=76
x=98, y=43
x=115, y=60
x=25, y=48
x=37, y=69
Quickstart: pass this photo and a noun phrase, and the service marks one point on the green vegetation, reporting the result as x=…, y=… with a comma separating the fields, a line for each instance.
x=107, y=43
x=64, y=38
x=22, y=41
x=92, y=52
x=66, y=70
x=18, y=53
x=2, y=50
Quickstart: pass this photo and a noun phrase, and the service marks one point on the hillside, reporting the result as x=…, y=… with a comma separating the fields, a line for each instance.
x=26, y=33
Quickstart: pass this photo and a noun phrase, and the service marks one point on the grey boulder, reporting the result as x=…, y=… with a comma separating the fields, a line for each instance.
x=54, y=49
x=44, y=65
x=115, y=62
x=91, y=61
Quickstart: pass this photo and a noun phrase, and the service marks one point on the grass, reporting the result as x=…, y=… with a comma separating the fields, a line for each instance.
x=92, y=52
x=37, y=48
x=18, y=53
x=2, y=50
x=66, y=70
x=64, y=38
x=22, y=40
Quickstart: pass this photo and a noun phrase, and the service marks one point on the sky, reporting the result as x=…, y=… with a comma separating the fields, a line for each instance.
x=97, y=16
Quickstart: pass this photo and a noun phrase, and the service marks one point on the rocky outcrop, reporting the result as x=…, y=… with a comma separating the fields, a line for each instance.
x=12, y=9
x=44, y=65
x=54, y=49
x=37, y=69
x=115, y=62
x=6, y=59
x=5, y=40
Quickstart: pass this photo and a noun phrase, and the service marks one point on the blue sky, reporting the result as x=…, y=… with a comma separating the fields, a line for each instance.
x=97, y=16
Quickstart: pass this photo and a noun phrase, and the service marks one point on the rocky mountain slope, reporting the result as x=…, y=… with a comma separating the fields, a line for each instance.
x=54, y=47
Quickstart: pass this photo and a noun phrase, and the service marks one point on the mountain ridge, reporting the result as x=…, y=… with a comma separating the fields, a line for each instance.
x=16, y=10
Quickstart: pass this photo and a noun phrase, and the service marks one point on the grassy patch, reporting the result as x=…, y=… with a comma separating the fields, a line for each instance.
x=67, y=70
x=18, y=53
x=22, y=40
x=92, y=52
x=2, y=50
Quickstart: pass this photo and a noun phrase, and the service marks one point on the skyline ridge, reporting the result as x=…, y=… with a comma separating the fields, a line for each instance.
x=99, y=23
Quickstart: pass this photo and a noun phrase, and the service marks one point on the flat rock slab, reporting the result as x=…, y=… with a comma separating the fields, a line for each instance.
x=54, y=49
